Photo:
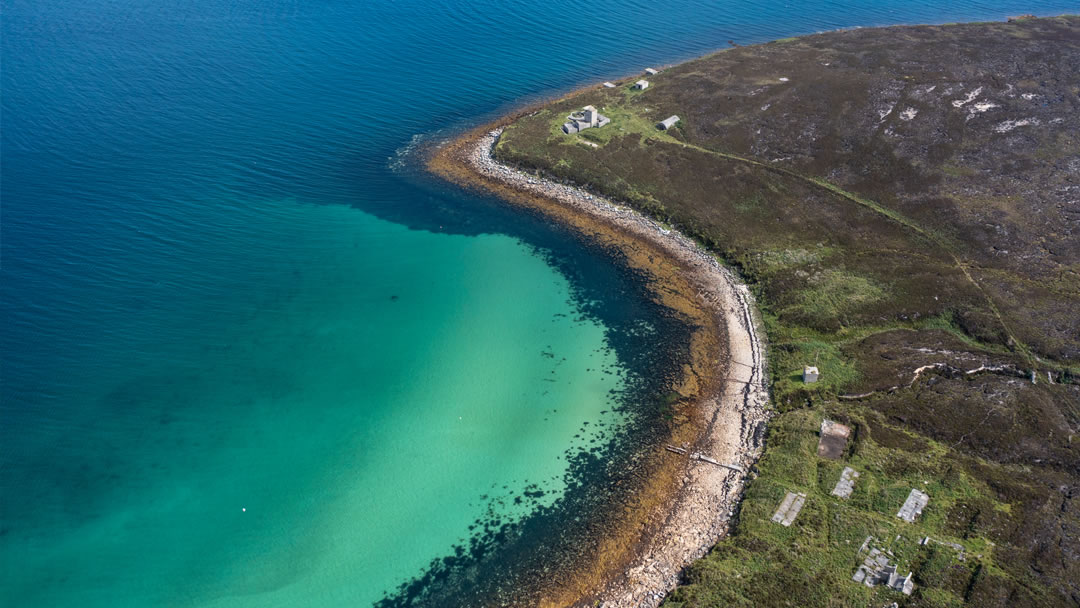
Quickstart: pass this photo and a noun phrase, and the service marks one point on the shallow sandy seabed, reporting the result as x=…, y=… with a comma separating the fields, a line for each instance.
x=692, y=502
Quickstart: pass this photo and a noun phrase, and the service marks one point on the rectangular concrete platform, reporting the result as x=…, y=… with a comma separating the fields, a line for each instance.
x=846, y=485
x=789, y=508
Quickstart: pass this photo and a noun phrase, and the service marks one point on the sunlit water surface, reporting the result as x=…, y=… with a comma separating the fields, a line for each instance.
x=251, y=356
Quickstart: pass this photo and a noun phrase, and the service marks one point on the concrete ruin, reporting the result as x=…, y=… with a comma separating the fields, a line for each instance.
x=609, y=85
x=846, y=485
x=651, y=72
x=810, y=374
x=957, y=547
x=587, y=118
x=913, y=506
x=834, y=437
x=641, y=85
x=876, y=570
x=667, y=123
x=789, y=508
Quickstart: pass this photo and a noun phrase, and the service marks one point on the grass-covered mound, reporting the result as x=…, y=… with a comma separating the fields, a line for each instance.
x=899, y=198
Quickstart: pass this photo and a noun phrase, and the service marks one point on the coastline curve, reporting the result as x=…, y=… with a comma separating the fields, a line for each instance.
x=703, y=492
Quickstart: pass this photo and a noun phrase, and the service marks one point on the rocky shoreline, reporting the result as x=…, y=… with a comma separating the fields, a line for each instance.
x=699, y=512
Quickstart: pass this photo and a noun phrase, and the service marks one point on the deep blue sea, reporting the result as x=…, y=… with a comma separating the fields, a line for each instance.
x=250, y=355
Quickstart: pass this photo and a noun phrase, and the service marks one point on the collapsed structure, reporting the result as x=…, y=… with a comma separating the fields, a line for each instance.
x=876, y=570
x=833, y=441
x=913, y=506
x=846, y=485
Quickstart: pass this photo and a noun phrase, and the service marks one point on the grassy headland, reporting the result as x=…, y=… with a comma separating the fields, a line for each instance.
x=897, y=198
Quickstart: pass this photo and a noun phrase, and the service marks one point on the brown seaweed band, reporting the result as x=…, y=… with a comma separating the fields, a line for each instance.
x=685, y=505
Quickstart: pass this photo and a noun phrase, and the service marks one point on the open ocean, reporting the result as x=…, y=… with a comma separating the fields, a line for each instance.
x=252, y=356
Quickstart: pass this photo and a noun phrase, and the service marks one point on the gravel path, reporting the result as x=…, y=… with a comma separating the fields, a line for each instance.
x=701, y=511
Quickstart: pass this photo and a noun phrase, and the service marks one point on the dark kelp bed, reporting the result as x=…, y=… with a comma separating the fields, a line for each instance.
x=898, y=198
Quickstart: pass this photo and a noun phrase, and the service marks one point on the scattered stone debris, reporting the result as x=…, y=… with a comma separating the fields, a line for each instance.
x=641, y=85
x=667, y=123
x=810, y=374
x=913, y=506
x=846, y=485
x=1009, y=125
x=959, y=103
x=876, y=570
x=587, y=118
x=789, y=508
x=959, y=548
x=833, y=440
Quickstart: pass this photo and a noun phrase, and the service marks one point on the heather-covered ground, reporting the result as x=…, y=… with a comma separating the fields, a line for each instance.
x=899, y=198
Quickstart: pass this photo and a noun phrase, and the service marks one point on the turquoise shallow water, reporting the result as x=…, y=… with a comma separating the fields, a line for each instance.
x=329, y=441
x=252, y=357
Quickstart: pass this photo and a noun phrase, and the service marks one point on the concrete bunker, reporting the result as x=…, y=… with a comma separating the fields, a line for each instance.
x=586, y=118
x=667, y=123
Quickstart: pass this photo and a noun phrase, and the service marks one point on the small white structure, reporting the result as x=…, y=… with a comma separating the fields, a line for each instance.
x=651, y=72
x=913, y=506
x=810, y=374
x=609, y=85
x=641, y=85
x=587, y=118
x=667, y=123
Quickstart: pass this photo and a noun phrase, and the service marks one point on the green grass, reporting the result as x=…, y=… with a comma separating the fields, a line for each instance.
x=788, y=358
x=868, y=264
x=765, y=562
x=832, y=293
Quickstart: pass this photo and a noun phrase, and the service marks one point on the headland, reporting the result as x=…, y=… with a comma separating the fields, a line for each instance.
x=902, y=204
x=691, y=499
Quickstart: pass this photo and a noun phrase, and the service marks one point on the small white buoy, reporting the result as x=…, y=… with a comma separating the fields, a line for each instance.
x=244, y=509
